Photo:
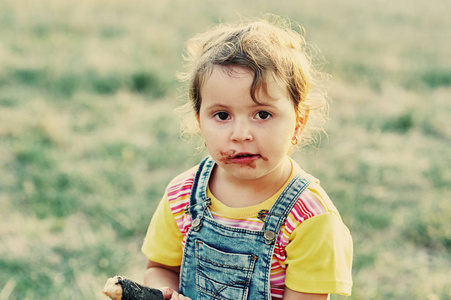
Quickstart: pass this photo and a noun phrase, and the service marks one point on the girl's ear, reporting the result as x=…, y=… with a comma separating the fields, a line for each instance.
x=301, y=122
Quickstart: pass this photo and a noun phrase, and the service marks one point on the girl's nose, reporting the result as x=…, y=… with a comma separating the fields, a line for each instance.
x=241, y=132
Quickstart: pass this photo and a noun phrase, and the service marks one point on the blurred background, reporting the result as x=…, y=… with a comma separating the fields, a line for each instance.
x=89, y=140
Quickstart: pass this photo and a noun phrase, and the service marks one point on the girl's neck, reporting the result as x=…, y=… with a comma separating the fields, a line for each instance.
x=235, y=192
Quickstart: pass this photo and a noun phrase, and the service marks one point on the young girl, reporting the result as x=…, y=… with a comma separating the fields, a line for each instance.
x=248, y=222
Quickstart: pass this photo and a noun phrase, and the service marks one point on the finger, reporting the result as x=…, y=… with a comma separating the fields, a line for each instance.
x=167, y=292
x=181, y=297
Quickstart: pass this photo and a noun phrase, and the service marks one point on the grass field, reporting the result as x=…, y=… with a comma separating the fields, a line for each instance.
x=89, y=140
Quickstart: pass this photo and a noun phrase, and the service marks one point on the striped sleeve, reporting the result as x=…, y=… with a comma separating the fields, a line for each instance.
x=307, y=206
x=319, y=257
x=316, y=246
x=166, y=234
x=179, y=192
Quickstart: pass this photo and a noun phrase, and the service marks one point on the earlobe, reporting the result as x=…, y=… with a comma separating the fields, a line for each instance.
x=299, y=128
x=297, y=132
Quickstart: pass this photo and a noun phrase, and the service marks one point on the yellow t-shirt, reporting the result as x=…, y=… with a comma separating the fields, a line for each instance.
x=313, y=252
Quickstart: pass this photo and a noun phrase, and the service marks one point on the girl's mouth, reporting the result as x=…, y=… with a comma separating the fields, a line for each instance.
x=244, y=158
x=234, y=157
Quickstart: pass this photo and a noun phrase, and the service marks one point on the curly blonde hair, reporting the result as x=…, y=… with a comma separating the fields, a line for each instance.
x=268, y=47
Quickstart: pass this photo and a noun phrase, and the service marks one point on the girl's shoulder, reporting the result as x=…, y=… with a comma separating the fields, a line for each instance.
x=178, y=194
x=314, y=200
x=316, y=192
x=181, y=184
x=312, y=203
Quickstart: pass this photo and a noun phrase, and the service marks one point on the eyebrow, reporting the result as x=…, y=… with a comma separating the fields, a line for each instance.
x=220, y=105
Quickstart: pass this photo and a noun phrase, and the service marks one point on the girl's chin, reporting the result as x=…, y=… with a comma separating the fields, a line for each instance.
x=250, y=171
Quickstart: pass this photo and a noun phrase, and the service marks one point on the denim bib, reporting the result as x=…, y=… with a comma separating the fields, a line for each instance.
x=229, y=263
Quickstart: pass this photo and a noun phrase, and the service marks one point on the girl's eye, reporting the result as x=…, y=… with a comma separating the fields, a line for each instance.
x=222, y=116
x=263, y=115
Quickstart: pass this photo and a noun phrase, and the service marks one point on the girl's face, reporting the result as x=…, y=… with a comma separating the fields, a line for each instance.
x=247, y=140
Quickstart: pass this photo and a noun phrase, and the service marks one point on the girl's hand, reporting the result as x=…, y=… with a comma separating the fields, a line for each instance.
x=170, y=294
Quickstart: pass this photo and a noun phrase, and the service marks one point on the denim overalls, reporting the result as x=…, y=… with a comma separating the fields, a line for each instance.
x=223, y=262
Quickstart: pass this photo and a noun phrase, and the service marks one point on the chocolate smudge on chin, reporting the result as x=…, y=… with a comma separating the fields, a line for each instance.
x=226, y=156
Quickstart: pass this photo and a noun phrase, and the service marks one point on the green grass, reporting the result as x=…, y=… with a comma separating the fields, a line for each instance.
x=89, y=140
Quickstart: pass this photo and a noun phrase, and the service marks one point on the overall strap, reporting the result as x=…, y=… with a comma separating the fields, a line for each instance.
x=276, y=217
x=198, y=197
